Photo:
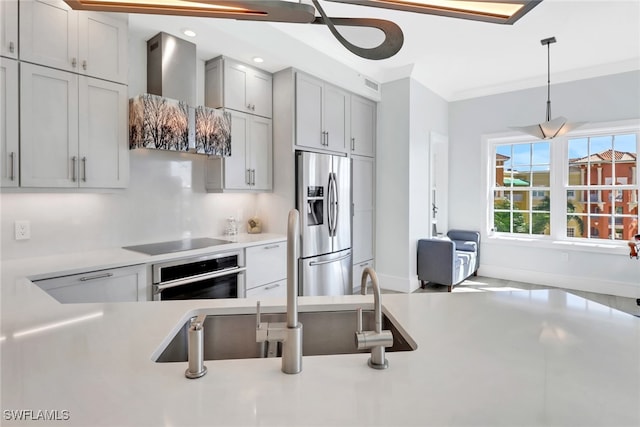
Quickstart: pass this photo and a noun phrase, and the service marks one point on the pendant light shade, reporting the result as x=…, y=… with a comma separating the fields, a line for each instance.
x=550, y=128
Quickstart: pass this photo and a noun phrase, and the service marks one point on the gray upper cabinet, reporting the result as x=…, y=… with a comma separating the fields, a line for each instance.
x=9, y=28
x=239, y=87
x=93, y=44
x=250, y=165
x=322, y=115
x=73, y=130
x=9, y=143
x=363, y=126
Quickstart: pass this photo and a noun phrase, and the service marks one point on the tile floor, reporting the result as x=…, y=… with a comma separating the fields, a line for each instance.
x=487, y=284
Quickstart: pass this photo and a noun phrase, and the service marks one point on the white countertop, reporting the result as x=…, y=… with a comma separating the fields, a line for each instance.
x=496, y=358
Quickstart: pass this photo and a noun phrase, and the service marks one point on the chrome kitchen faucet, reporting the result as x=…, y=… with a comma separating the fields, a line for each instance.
x=377, y=339
x=289, y=333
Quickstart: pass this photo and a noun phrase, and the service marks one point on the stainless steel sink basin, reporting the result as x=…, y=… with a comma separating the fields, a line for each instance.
x=324, y=332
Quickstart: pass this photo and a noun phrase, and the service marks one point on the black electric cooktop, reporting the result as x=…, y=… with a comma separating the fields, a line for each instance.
x=176, y=246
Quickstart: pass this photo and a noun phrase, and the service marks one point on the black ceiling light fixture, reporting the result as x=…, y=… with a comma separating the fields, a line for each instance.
x=551, y=128
x=496, y=11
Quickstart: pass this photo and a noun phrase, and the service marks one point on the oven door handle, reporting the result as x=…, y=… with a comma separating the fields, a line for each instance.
x=179, y=282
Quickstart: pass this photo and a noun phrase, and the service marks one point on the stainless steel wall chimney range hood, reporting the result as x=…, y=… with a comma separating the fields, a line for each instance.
x=166, y=117
x=171, y=68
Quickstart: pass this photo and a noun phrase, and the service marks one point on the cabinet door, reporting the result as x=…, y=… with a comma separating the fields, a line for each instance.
x=48, y=127
x=363, y=126
x=270, y=290
x=334, y=118
x=236, y=171
x=261, y=153
x=49, y=34
x=260, y=93
x=9, y=28
x=235, y=86
x=102, y=48
x=309, y=130
x=103, y=145
x=363, y=208
x=357, y=275
x=127, y=284
x=265, y=264
x=9, y=141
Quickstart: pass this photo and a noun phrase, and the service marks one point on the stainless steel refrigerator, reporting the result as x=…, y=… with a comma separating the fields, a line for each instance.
x=323, y=198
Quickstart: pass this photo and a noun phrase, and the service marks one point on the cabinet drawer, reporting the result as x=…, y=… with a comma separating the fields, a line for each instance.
x=358, y=268
x=276, y=289
x=265, y=264
x=125, y=284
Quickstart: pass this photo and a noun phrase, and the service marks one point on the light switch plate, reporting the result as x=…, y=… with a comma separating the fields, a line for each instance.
x=23, y=229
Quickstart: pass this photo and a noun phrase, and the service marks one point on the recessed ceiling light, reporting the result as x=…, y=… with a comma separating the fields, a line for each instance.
x=189, y=33
x=257, y=59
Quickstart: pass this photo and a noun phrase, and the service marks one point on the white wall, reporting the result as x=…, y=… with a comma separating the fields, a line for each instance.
x=407, y=114
x=602, y=99
x=166, y=200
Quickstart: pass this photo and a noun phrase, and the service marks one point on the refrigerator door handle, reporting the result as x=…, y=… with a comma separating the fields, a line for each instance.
x=330, y=205
x=336, y=203
x=313, y=263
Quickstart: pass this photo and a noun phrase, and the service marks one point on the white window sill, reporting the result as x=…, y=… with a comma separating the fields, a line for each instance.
x=619, y=247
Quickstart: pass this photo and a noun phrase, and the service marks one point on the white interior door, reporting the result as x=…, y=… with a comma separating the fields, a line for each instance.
x=438, y=183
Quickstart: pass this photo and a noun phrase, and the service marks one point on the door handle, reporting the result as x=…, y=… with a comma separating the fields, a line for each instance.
x=330, y=204
x=84, y=64
x=84, y=169
x=353, y=144
x=343, y=257
x=11, y=47
x=12, y=174
x=247, y=176
x=73, y=168
x=97, y=276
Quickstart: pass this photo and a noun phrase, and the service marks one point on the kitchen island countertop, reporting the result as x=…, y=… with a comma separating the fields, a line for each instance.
x=541, y=357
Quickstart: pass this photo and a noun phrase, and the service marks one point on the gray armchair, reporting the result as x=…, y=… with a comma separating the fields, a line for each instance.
x=449, y=261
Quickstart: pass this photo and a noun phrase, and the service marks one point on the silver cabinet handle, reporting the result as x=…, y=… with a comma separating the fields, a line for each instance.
x=84, y=169
x=12, y=47
x=205, y=276
x=12, y=174
x=253, y=177
x=84, y=64
x=327, y=143
x=353, y=143
x=269, y=287
x=364, y=264
x=247, y=176
x=97, y=276
x=271, y=247
x=73, y=168
x=74, y=62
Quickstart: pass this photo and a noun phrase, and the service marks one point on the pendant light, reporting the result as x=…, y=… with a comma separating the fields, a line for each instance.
x=551, y=128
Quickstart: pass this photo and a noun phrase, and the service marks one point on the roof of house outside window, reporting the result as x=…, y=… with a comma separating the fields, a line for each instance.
x=606, y=157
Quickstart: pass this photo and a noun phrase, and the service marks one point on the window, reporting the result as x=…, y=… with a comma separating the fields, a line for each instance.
x=521, y=202
x=579, y=187
x=604, y=167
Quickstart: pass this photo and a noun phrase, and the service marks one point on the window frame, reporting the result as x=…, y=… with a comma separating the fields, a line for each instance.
x=558, y=179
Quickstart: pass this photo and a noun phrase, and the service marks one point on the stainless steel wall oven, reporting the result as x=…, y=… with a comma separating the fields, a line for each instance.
x=204, y=277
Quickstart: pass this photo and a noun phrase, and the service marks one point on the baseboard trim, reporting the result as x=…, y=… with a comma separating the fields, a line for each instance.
x=610, y=287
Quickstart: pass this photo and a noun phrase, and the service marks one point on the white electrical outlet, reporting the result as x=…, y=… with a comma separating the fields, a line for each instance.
x=23, y=229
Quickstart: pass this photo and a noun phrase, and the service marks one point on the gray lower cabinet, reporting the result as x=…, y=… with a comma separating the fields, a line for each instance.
x=125, y=284
x=266, y=274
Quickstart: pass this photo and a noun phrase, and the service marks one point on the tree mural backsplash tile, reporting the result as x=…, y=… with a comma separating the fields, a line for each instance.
x=157, y=122
x=163, y=123
x=213, y=132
